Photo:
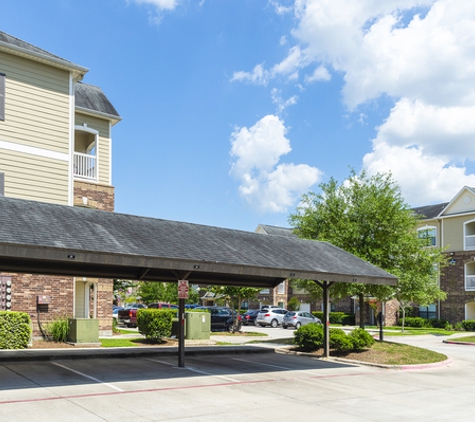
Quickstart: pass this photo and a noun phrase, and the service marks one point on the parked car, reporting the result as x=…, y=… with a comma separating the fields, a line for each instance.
x=271, y=317
x=298, y=318
x=161, y=305
x=264, y=307
x=249, y=318
x=115, y=312
x=221, y=318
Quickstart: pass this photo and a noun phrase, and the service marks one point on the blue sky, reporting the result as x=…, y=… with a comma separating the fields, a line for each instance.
x=233, y=109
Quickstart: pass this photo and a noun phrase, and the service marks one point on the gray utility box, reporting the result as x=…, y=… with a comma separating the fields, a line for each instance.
x=197, y=326
x=83, y=330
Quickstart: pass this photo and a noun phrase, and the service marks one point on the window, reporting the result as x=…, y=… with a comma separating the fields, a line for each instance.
x=469, y=235
x=2, y=96
x=428, y=312
x=470, y=276
x=429, y=233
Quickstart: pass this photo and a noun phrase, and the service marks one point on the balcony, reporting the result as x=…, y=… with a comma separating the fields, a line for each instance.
x=84, y=166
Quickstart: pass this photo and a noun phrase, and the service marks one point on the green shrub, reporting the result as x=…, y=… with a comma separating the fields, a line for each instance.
x=416, y=322
x=309, y=337
x=361, y=339
x=15, y=330
x=438, y=323
x=58, y=329
x=468, y=325
x=341, y=318
x=340, y=341
x=155, y=324
x=293, y=304
x=115, y=329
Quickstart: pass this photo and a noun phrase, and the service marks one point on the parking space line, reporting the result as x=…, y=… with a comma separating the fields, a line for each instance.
x=262, y=364
x=198, y=371
x=88, y=376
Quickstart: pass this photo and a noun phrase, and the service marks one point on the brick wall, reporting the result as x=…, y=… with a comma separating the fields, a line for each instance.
x=452, y=281
x=26, y=288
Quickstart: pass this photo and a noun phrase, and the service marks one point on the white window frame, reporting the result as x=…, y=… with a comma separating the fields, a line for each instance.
x=468, y=238
x=2, y=96
x=469, y=276
x=427, y=229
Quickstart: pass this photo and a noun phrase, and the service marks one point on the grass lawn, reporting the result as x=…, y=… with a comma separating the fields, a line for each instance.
x=468, y=339
x=410, y=331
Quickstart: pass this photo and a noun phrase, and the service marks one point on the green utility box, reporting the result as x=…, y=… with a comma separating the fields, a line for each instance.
x=197, y=326
x=83, y=330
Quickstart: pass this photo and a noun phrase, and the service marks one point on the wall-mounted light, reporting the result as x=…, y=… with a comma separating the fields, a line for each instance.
x=71, y=256
x=292, y=274
x=196, y=267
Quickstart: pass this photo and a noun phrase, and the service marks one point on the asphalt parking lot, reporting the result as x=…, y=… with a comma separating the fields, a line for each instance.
x=236, y=387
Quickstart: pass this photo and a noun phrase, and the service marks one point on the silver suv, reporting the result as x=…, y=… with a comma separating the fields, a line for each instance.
x=298, y=318
x=272, y=317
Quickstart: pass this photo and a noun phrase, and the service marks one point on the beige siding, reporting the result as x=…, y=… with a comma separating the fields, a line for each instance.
x=36, y=104
x=454, y=232
x=103, y=151
x=464, y=203
x=33, y=177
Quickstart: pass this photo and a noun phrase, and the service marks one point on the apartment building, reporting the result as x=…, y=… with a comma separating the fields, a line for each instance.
x=55, y=146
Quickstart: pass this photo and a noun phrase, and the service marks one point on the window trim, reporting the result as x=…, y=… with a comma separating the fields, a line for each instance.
x=426, y=229
x=2, y=96
x=465, y=224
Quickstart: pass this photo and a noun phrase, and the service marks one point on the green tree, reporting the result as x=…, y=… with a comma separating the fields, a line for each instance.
x=368, y=217
x=156, y=291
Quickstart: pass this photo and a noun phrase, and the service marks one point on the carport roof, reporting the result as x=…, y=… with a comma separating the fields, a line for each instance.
x=43, y=238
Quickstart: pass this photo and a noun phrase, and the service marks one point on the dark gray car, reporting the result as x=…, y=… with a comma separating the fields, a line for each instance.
x=298, y=318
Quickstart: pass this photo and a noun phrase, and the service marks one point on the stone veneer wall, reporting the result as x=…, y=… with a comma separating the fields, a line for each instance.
x=96, y=196
x=452, y=281
x=101, y=197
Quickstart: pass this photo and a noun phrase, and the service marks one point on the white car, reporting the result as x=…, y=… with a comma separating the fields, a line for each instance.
x=270, y=317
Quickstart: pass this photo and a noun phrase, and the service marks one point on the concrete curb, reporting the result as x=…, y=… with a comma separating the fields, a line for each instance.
x=458, y=342
x=446, y=362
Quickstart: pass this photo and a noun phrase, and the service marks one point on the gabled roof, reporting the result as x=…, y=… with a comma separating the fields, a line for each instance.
x=428, y=212
x=90, y=98
x=22, y=48
x=274, y=230
x=45, y=238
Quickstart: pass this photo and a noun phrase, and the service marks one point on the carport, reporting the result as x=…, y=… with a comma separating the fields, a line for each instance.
x=44, y=238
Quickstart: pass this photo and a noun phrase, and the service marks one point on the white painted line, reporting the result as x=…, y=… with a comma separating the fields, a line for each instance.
x=262, y=364
x=198, y=371
x=88, y=376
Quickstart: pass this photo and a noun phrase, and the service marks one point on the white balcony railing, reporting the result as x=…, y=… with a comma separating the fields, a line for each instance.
x=470, y=282
x=85, y=166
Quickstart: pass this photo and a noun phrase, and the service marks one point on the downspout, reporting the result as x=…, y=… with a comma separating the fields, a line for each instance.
x=71, y=140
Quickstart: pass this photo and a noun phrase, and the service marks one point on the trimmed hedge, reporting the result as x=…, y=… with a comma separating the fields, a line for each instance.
x=15, y=330
x=310, y=337
x=155, y=324
x=468, y=325
x=342, y=318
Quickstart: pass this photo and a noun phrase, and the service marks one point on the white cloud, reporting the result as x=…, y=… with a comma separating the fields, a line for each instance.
x=266, y=184
x=159, y=4
x=423, y=178
x=258, y=76
x=280, y=102
x=423, y=61
x=320, y=74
